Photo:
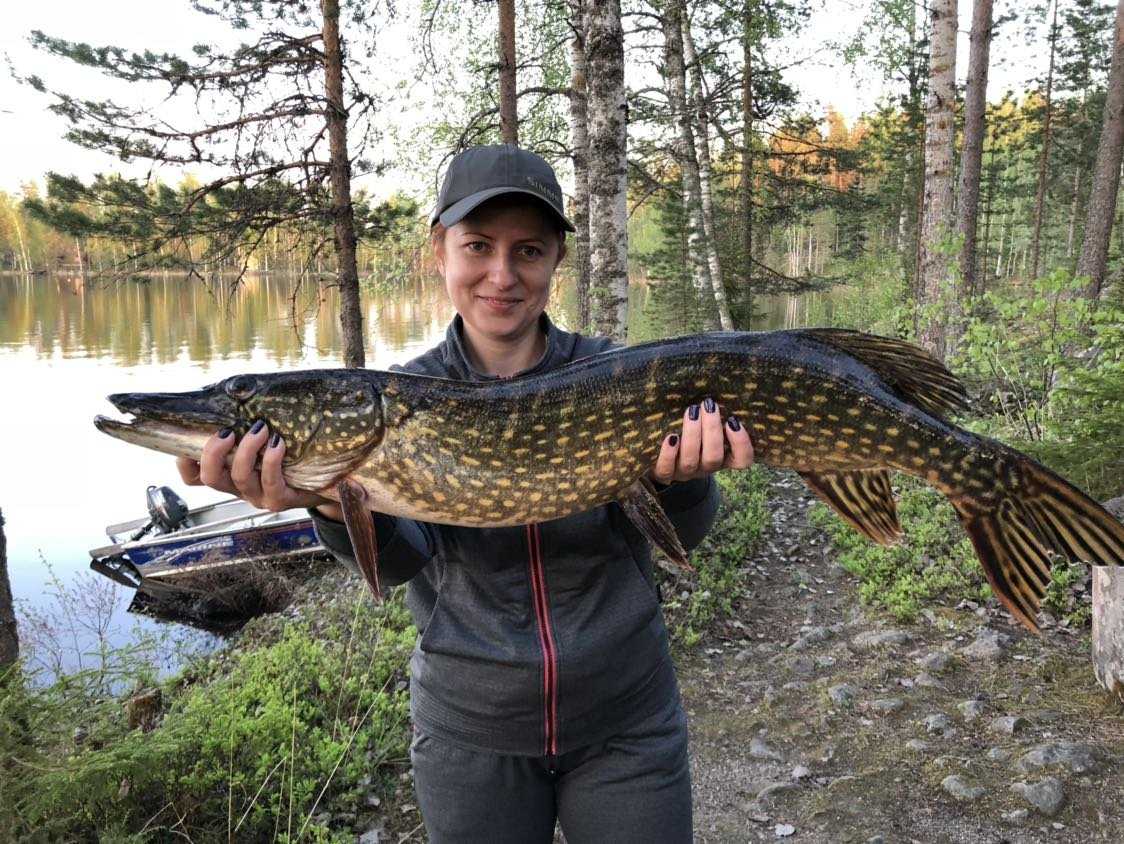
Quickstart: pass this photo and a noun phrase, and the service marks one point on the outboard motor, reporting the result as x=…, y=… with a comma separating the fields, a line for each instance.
x=166, y=509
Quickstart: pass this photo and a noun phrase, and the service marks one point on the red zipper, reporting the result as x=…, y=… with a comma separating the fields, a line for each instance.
x=546, y=642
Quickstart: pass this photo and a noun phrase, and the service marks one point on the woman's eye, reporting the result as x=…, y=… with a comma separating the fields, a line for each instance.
x=531, y=251
x=476, y=246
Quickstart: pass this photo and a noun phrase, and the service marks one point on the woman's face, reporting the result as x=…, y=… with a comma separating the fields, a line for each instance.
x=497, y=264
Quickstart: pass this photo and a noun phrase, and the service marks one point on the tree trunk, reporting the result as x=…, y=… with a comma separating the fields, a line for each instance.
x=509, y=115
x=706, y=180
x=343, y=215
x=1044, y=158
x=9, y=635
x=608, y=185
x=675, y=81
x=745, y=188
x=579, y=144
x=937, y=219
x=1074, y=210
x=1108, y=619
x=971, y=160
x=1106, y=172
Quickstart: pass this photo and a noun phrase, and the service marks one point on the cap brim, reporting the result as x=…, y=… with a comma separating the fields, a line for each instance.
x=461, y=209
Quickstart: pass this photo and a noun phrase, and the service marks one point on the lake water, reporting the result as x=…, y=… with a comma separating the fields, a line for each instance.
x=65, y=345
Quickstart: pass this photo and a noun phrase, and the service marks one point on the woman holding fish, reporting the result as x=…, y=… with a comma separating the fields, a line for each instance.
x=542, y=688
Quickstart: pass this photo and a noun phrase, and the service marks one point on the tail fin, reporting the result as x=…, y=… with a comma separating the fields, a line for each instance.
x=1042, y=516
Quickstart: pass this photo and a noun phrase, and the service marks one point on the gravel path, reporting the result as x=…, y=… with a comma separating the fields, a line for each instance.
x=812, y=720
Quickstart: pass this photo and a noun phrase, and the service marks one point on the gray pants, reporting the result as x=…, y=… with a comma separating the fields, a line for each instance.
x=634, y=787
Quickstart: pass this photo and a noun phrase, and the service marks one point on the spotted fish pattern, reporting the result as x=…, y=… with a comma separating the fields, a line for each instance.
x=842, y=408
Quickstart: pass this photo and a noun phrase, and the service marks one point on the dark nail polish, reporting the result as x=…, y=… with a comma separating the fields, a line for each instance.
x=734, y=424
x=257, y=426
x=275, y=441
x=693, y=412
x=709, y=405
x=225, y=432
x=673, y=440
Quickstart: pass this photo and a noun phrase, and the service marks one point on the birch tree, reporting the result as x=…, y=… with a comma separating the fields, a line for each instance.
x=1106, y=172
x=608, y=186
x=971, y=159
x=935, y=261
x=699, y=108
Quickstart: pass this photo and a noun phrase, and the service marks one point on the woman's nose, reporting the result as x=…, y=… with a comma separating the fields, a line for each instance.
x=502, y=271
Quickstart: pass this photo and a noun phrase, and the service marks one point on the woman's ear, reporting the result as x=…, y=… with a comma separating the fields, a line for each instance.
x=561, y=252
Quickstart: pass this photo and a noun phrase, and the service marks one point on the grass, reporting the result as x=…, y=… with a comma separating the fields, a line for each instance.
x=251, y=747
x=934, y=562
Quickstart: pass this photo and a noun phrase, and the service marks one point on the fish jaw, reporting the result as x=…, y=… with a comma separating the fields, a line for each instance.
x=165, y=437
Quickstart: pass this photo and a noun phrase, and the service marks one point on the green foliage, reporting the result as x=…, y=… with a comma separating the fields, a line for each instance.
x=933, y=562
x=1060, y=599
x=1050, y=368
x=719, y=559
x=257, y=744
x=874, y=297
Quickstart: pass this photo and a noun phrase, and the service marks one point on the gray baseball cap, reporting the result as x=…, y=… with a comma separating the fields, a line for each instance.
x=479, y=173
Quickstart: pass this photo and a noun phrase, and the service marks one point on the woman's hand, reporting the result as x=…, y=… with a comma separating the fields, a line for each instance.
x=701, y=448
x=265, y=488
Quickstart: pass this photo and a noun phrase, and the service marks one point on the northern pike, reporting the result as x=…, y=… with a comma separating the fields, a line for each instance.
x=841, y=408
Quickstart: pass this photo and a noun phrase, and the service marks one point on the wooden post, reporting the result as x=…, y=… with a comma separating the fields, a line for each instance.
x=1108, y=619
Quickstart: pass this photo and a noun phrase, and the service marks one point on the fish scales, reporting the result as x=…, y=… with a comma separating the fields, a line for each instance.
x=841, y=408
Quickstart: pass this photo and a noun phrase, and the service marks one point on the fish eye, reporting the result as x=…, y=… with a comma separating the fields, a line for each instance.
x=241, y=387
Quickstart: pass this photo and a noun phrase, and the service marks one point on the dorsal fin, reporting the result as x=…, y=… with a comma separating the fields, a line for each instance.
x=863, y=499
x=911, y=372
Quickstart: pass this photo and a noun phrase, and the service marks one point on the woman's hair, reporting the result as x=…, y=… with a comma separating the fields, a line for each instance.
x=437, y=230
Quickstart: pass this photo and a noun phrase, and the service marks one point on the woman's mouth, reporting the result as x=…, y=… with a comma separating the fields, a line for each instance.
x=499, y=304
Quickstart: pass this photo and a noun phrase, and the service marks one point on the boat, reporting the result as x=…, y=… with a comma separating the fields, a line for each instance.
x=186, y=564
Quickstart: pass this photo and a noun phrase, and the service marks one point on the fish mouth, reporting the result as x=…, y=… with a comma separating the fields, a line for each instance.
x=175, y=423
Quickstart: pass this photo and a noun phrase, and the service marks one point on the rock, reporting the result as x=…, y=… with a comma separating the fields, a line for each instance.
x=825, y=661
x=1008, y=724
x=936, y=661
x=842, y=694
x=917, y=745
x=800, y=772
x=961, y=789
x=886, y=705
x=925, y=680
x=879, y=639
x=1017, y=816
x=774, y=788
x=372, y=835
x=802, y=666
x=1078, y=758
x=989, y=644
x=758, y=749
x=784, y=830
x=937, y=723
x=998, y=754
x=971, y=709
x=876, y=839
x=1045, y=796
x=810, y=637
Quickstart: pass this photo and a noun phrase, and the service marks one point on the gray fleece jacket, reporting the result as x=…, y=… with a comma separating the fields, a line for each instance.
x=540, y=639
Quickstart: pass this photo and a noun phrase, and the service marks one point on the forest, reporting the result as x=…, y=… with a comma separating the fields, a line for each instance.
x=982, y=223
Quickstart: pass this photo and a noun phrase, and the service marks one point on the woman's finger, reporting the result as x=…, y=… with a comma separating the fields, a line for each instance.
x=690, y=445
x=212, y=463
x=243, y=470
x=189, y=471
x=664, y=470
x=741, y=446
x=276, y=493
x=713, y=440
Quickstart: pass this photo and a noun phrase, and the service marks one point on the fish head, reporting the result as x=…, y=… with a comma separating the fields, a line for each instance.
x=330, y=420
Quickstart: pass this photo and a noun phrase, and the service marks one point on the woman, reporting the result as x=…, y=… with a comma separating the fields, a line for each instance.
x=541, y=685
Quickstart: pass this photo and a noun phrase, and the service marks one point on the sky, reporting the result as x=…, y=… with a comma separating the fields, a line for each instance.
x=31, y=141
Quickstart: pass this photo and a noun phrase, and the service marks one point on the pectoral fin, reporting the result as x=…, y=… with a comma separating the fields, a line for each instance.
x=643, y=509
x=361, y=532
x=863, y=499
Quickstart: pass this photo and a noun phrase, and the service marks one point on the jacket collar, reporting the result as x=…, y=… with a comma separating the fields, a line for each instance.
x=559, y=350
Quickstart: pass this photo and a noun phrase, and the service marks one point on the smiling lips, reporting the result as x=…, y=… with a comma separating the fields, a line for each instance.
x=500, y=305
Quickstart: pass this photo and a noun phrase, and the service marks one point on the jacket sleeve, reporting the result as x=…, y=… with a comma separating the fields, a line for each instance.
x=405, y=546
x=691, y=506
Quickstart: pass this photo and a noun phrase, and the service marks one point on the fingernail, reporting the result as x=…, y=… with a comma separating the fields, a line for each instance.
x=734, y=424
x=257, y=426
x=693, y=412
x=673, y=440
x=709, y=405
x=275, y=441
x=225, y=432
